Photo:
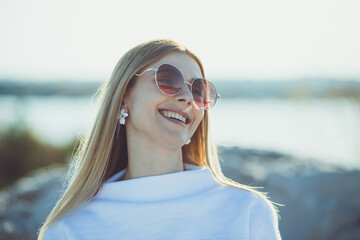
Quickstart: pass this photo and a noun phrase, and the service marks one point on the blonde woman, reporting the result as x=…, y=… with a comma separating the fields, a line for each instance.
x=149, y=168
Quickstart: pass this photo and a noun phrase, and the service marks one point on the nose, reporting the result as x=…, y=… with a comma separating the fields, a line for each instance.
x=185, y=95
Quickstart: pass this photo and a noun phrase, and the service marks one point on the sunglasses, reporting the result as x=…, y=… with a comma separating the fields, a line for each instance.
x=170, y=81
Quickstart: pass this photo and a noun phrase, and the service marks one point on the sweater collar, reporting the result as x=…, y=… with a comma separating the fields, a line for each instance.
x=169, y=186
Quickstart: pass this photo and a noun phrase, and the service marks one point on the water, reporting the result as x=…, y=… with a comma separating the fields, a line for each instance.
x=325, y=130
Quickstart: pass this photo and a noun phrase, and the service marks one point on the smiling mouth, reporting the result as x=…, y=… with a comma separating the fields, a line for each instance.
x=175, y=117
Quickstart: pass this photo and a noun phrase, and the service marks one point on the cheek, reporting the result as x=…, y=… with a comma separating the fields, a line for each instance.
x=140, y=110
x=198, y=118
x=143, y=107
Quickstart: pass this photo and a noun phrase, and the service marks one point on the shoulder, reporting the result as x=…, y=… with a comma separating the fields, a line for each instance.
x=248, y=196
x=263, y=218
x=55, y=231
x=59, y=230
x=261, y=206
x=257, y=202
x=73, y=224
x=262, y=215
x=253, y=199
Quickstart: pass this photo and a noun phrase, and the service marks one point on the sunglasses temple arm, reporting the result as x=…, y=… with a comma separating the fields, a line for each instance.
x=150, y=69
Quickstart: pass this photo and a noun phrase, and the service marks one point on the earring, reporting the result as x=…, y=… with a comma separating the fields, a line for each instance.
x=188, y=142
x=123, y=115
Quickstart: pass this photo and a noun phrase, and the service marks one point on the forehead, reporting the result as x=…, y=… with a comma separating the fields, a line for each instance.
x=185, y=63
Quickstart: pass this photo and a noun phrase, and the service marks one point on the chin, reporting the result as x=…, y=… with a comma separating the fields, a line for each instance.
x=175, y=142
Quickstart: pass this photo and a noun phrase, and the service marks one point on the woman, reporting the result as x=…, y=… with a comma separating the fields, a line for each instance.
x=149, y=168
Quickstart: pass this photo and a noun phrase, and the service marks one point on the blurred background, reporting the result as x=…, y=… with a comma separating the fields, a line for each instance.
x=288, y=120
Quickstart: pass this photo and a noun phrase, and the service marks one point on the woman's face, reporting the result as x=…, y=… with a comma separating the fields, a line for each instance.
x=149, y=108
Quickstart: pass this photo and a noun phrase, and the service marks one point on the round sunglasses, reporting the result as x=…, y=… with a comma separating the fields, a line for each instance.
x=170, y=81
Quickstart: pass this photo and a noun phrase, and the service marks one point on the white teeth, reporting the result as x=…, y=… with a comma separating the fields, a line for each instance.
x=174, y=115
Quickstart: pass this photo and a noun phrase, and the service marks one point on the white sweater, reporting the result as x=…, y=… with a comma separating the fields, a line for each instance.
x=183, y=205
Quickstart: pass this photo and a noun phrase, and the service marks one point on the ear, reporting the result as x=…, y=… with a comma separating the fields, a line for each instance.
x=124, y=105
x=126, y=99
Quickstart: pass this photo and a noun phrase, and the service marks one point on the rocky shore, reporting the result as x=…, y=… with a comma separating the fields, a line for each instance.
x=321, y=201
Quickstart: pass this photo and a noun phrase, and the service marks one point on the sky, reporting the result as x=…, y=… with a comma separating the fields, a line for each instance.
x=82, y=40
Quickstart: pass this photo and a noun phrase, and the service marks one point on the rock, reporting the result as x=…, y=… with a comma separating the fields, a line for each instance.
x=25, y=205
x=321, y=201
x=317, y=206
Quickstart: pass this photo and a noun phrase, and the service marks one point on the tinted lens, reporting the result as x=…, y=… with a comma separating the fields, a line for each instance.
x=204, y=93
x=169, y=79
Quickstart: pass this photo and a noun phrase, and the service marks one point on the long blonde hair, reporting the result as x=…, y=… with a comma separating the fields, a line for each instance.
x=104, y=151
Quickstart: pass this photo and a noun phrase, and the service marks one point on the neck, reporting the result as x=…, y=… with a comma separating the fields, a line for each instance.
x=146, y=158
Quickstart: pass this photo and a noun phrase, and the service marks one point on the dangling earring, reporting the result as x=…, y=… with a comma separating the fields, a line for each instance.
x=123, y=115
x=188, y=142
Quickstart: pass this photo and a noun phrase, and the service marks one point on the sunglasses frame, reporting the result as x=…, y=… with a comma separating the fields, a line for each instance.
x=183, y=84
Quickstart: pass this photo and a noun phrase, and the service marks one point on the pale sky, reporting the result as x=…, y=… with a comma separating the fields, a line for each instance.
x=253, y=39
